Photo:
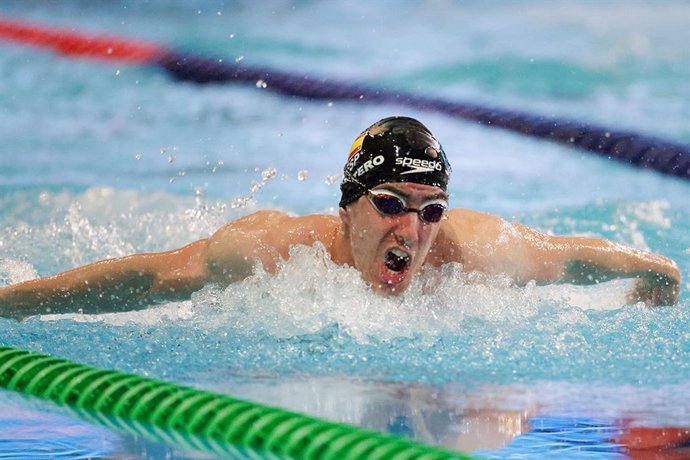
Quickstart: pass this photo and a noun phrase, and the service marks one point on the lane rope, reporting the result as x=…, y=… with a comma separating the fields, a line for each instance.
x=633, y=148
x=195, y=419
x=220, y=424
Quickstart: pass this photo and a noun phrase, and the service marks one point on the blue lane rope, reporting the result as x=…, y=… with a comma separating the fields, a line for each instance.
x=626, y=146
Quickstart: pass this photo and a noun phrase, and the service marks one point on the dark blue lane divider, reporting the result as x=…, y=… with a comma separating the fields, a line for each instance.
x=625, y=146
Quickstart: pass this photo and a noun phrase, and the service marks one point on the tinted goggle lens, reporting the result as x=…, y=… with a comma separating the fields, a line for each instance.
x=388, y=204
x=391, y=205
x=432, y=212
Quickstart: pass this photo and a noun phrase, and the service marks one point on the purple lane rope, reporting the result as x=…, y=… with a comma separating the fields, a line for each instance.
x=633, y=148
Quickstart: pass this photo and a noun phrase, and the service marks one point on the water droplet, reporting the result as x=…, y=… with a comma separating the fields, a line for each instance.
x=117, y=72
x=331, y=179
x=302, y=175
x=268, y=174
x=109, y=51
x=240, y=202
x=261, y=84
x=138, y=156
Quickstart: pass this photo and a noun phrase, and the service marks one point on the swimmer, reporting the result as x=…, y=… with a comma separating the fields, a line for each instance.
x=393, y=219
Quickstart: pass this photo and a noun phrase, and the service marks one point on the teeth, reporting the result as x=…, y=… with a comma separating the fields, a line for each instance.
x=396, y=260
x=400, y=253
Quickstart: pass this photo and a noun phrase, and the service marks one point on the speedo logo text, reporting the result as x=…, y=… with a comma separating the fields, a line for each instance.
x=417, y=165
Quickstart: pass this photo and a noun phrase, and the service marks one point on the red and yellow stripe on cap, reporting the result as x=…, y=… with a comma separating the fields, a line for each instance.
x=356, y=145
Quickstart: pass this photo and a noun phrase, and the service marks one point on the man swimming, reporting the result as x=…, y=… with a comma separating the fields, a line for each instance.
x=393, y=219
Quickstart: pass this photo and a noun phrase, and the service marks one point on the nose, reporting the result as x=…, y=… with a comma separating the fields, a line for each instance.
x=407, y=228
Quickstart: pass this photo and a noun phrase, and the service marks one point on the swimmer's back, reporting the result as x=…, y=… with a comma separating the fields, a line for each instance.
x=264, y=236
x=480, y=241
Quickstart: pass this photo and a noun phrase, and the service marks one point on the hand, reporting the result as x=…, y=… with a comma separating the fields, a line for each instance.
x=654, y=290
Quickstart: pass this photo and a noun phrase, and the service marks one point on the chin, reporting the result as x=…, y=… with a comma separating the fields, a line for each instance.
x=388, y=289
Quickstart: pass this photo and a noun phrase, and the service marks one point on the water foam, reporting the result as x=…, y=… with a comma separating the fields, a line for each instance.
x=310, y=293
x=102, y=223
x=16, y=271
x=316, y=317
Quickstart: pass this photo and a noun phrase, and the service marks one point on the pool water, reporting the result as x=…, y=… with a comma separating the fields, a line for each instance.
x=102, y=160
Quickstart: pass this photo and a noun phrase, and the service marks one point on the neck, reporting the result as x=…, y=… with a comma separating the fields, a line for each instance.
x=339, y=247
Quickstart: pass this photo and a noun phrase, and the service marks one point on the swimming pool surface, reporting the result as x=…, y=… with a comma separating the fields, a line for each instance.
x=101, y=160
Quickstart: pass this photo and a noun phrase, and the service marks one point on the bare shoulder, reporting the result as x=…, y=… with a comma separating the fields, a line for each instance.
x=472, y=227
x=460, y=217
x=278, y=226
x=470, y=237
x=266, y=237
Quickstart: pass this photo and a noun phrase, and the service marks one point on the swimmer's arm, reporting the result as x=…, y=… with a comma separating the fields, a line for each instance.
x=585, y=260
x=136, y=281
x=112, y=285
x=236, y=249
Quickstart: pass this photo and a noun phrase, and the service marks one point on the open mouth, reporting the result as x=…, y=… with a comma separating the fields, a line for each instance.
x=396, y=260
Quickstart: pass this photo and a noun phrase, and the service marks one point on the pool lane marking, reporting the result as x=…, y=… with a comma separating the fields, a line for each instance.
x=629, y=147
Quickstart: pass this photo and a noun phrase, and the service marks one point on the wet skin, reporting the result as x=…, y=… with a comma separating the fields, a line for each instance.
x=388, y=251
x=375, y=239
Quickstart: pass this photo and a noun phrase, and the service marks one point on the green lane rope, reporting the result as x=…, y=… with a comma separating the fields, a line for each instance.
x=196, y=419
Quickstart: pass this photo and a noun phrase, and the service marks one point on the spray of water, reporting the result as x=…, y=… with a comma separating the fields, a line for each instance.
x=315, y=316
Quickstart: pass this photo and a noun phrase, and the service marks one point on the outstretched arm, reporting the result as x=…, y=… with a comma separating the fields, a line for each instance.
x=137, y=281
x=492, y=245
x=585, y=260
x=112, y=285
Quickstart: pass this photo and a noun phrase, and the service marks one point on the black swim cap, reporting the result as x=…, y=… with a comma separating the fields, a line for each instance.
x=395, y=149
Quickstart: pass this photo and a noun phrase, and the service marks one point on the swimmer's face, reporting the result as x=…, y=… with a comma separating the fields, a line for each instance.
x=389, y=250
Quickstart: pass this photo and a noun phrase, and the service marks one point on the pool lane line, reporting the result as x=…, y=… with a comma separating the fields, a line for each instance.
x=196, y=419
x=74, y=44
x=633, y=148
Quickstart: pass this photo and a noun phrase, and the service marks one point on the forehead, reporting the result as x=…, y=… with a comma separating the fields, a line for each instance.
x=411, y=189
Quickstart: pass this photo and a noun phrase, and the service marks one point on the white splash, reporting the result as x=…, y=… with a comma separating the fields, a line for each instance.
x=16, y=271
x=310, y=293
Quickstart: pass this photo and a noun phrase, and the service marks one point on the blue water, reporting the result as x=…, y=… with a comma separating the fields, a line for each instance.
x=102, y=160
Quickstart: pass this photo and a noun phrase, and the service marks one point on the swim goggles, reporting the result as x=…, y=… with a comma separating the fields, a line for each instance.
x=388, y=204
